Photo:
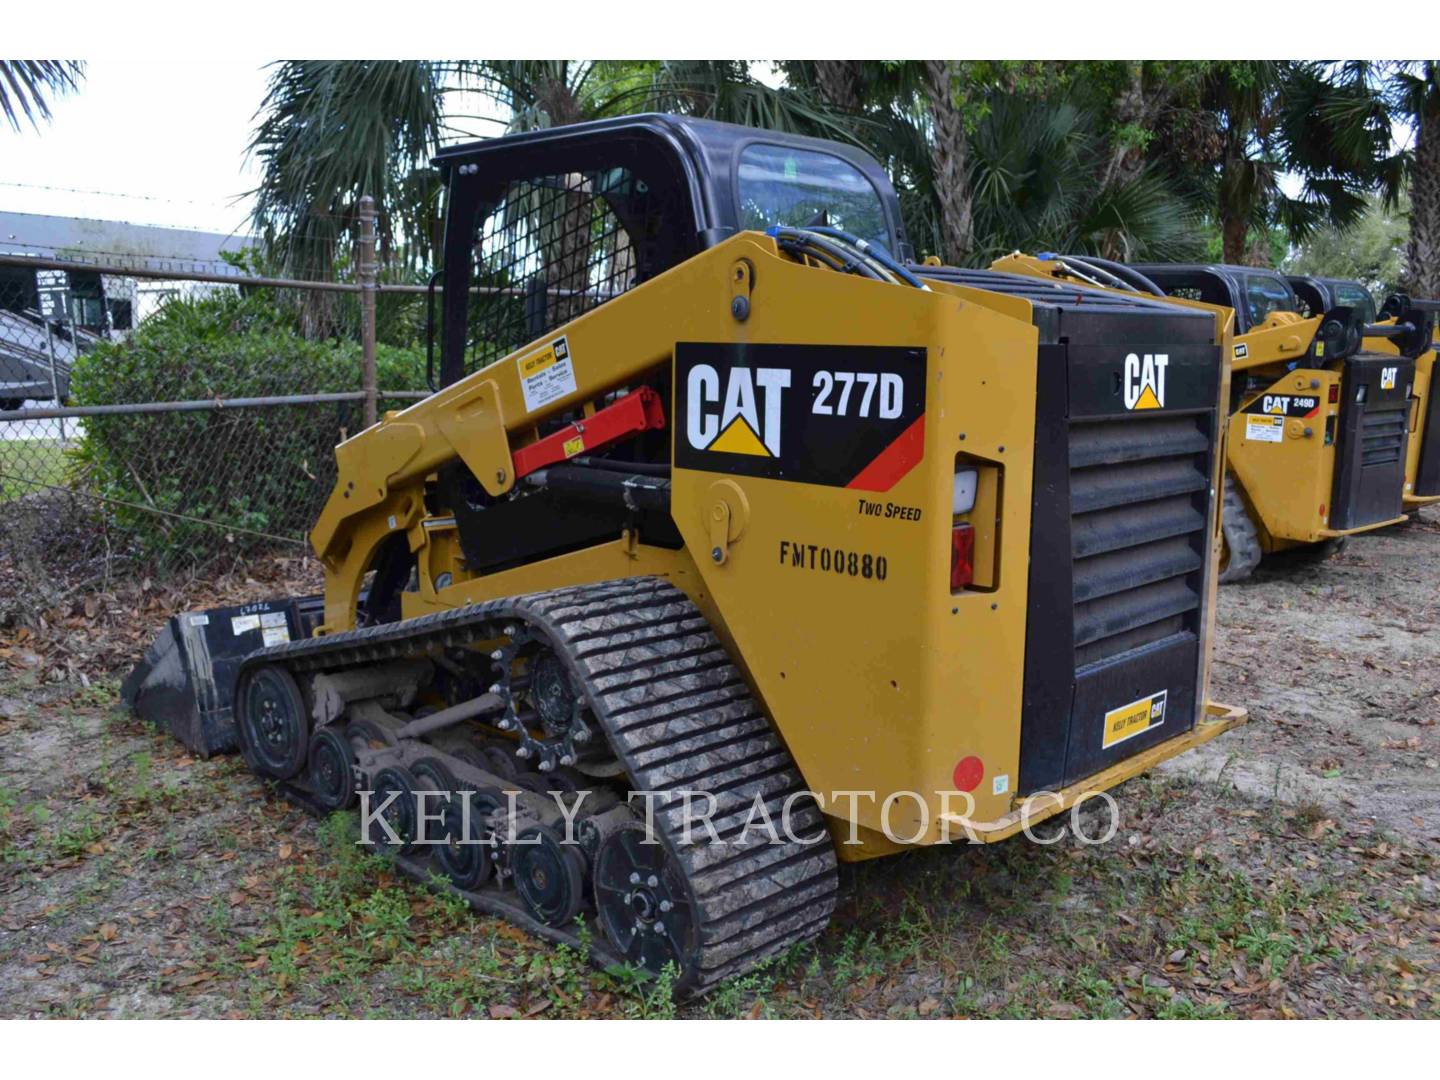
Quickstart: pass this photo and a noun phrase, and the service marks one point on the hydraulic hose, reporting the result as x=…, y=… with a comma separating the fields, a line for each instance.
x=875, y=251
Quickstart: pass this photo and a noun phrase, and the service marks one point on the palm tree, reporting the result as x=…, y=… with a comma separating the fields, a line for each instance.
x=332, y=131
x=1342, y=120
x=26, y=86
x=1038, y=178
x=950, y=158
x=1416, y=97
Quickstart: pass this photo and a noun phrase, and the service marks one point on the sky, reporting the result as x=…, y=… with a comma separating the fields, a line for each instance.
x=145, y=142
x=157, y=144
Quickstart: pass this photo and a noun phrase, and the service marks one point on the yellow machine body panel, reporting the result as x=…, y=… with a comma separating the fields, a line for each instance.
x=835, y=599
x=1279, y=450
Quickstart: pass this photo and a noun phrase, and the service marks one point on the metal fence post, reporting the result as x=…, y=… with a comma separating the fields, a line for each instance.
x=366, y=268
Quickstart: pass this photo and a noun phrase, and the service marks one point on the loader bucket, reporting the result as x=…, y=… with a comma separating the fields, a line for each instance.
x=186, y=681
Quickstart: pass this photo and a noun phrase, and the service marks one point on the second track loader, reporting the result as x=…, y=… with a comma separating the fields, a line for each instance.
x=732, y=546
x=1321, y=407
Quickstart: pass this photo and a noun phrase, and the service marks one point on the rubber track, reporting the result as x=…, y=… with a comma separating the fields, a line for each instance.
x=680, y=718
x=1240, y=535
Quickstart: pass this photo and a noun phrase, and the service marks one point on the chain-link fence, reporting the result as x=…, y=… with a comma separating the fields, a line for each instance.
x=152, y=419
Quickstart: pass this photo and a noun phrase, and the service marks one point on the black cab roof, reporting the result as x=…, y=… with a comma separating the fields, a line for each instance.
x=1318, y=294
x=727, y=177
x=1253, y=292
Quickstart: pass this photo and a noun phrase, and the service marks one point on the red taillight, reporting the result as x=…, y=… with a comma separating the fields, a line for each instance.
x=968, y=773
x=962, y=557
x=1334, y=392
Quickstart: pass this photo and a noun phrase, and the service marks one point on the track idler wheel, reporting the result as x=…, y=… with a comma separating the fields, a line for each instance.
x=549, y=874
x=434, y=775
x=643, y=904
x=467, y=856
x=272, y=722
x=332, y=770
x=399, y=814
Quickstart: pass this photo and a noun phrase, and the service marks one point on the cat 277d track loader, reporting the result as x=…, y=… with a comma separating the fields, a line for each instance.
x=1321, y=406
x=724, y=507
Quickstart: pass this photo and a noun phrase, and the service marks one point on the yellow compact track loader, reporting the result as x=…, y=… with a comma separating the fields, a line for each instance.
x=731, y=545
x=1422, y=457
x=1321, y=407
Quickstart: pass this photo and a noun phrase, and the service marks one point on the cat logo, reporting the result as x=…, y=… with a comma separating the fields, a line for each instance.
x=1241, y=350
x=746, y=420
x=1145, y=380
x=1387, y=378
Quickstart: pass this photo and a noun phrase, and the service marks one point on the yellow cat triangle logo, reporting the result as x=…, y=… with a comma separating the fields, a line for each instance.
x=1147, y=400
x=739, y=438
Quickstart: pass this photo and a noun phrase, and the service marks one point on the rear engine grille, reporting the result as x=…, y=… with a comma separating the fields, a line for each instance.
x=1139, y=491
x=1382, y=436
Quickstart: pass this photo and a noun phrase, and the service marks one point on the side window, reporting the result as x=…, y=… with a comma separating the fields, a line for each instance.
x=783, y=185
x=1264, y=295
x=1356, y=296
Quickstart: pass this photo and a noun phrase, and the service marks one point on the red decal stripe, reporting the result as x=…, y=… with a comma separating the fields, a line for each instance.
x=892, y=463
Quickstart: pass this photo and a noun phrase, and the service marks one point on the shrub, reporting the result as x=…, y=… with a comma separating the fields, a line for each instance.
x=264, y=470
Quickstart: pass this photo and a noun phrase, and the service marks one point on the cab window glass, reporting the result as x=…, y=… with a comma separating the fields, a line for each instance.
x=1264, y=295
x=780, y=185
x=1348, y=294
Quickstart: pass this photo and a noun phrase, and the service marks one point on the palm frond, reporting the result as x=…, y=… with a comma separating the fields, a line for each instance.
x=27, y=85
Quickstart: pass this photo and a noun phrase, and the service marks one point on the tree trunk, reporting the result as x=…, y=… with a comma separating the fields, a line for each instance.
x=839, y=83
x=1257, y=252
x=1233, y=231
x=950, y=158
x=1422, y=253
x=1127, y=157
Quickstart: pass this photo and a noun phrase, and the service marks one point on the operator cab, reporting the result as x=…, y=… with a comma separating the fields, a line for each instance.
x=1254, y=293
x=1317, y=295
x=545, y=225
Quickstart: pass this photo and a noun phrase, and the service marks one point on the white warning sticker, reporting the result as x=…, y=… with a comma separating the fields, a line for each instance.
x=242, y=624
x=547, y=374
x=275, y=635
x=1265, y=428
x=272, y=618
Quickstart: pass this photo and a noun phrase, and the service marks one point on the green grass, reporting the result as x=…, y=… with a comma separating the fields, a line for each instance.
x=30, y=465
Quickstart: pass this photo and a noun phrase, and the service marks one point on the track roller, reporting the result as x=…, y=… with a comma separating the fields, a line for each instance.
x=332, y=770
x=549, y=874
x=272, y=722
x=399, y=813
x=466, y=856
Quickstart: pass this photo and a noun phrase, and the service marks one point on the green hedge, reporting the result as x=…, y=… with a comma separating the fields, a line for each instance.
x=243, y=471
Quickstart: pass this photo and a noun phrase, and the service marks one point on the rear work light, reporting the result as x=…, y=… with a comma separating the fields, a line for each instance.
x=963, y=500
x=962, y=557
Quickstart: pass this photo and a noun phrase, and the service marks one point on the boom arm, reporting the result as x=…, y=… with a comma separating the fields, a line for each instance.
x=381, y=472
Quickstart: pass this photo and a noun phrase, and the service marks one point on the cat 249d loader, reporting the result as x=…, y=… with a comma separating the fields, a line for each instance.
x=724, y=504
x=1422, y=455
x=1320, y=405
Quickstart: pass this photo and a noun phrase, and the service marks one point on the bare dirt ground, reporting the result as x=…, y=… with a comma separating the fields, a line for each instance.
x=1289, y=869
